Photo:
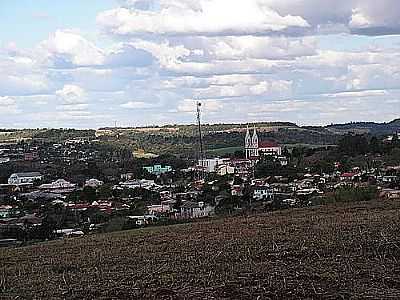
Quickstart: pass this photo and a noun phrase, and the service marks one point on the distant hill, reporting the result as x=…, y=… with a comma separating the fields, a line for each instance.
x=218, y=138
x=366, y=127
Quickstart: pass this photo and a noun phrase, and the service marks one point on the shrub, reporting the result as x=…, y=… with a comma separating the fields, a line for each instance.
x=348, y=194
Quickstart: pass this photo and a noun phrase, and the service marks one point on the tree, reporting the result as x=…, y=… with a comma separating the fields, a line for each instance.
x=375, y=145
x=104, y=191
x=268, y=166
x=88, y=194
x=353, y=145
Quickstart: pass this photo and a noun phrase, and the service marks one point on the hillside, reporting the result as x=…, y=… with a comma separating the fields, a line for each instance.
x=367, y=127
x=331, y=252
x=218, y=139
x=228, y=138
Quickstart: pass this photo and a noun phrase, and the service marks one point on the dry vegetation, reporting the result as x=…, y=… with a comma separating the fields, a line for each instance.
x=332, y=252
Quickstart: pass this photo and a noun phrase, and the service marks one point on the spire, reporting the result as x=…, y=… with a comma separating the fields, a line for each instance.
x=254, y=140
x=248, y=141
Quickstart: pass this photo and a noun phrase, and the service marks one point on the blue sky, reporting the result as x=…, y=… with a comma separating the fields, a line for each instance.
x=28, y=22
x=90, y=63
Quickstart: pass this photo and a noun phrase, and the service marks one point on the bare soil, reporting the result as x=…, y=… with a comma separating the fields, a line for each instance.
x=347, y=251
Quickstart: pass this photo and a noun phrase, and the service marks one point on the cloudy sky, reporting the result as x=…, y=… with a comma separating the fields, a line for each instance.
x=90, y=63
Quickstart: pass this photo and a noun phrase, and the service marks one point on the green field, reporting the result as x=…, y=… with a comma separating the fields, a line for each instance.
x=224, y=151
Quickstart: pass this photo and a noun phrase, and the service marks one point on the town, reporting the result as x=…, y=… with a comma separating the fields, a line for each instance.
x=82, y=185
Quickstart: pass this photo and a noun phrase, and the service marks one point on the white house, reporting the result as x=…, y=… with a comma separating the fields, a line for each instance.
x=158, y=209
x=225, y=169
x=25, y=178
x=4, y=160
x=59, y=184
x=94, y=183
x=143, y=183
x=263, y=193
x=194, y=210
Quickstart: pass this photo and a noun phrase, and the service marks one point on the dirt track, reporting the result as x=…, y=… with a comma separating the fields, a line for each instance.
x=336, y=252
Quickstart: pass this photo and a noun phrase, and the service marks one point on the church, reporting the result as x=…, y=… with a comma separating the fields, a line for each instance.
x=254, y=148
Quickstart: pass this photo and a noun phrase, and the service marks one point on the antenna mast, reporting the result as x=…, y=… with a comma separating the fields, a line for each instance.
x=201, y=154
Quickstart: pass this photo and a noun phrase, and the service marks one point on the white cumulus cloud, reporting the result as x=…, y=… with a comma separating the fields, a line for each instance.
x=207, y=17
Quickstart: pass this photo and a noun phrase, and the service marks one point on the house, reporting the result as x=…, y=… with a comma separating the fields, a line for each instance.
x=237, y=190
x=269, y=148
x=158, y=169
x=390, y=194
x=5, y=211
x=25, y=178
x=4, y=160
x=350, y=176
x=308, y=192
x=164, y=195
x=158, y=209
x=60, y=185
x=127, y=176
x=283, y=160
x=263, y=193
x=225, y=169
x=69, y=232
x=389, y=179
x=194, y=210
x=134, y=184
x=31, y=156
x=243, y=167
x=94, y=183
x=143, y=220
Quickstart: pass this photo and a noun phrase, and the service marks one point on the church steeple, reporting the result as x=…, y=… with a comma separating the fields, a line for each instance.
x=248, y=140
x=251, y=143
x=254, y=139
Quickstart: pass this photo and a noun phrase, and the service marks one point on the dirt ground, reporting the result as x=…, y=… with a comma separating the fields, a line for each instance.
x=334, y=252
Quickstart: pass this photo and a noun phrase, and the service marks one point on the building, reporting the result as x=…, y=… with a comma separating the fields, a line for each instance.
x=25, y=178
x=225, y=169
x=94, y=183
x=263, y=193
x=194, y=210
x=251, y=144
x=59, y=184
x=128, y=176
x=255, y=148
x=350, y=176
x=211, y=165
x=135, y=184
x=243, y=167
x=269, y=148
x=31, y=156
x=158, y=169
x=4, y=160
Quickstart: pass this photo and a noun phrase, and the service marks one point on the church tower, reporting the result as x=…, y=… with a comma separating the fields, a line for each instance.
x=254, y=141
x=251, y=144
x=248, y=143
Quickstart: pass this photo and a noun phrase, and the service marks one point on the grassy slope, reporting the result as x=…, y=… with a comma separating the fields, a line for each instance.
x=335, y=252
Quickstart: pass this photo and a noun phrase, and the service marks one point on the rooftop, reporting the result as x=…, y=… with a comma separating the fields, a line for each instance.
x=28, y=174
x=268, y=144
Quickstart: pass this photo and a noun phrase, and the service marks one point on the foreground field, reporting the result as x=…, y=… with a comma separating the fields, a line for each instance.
x=336, y=252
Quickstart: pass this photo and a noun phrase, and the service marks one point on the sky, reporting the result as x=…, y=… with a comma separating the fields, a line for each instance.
x=94, y=63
